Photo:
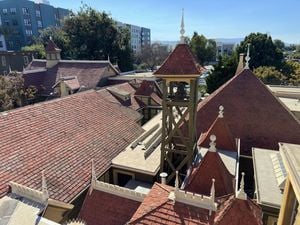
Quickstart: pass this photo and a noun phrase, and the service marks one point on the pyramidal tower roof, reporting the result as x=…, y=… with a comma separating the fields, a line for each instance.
x=181, y=60
x=253, y=113
x=51, y=46
x=211, y=167
x=219, y=128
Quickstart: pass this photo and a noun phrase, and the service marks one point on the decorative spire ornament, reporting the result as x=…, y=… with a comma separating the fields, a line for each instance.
x=241, y=194
x=248, y=57
x=221, y=111
x=177, y=181
x=182, y=31
x=212, y=144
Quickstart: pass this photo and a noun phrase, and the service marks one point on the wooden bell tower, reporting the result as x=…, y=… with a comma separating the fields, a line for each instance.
x=179, y=74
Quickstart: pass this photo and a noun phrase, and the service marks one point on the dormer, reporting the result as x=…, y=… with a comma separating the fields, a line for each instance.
x=52, y=54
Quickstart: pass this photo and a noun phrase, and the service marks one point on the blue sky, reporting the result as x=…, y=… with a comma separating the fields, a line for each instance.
x=213, y=18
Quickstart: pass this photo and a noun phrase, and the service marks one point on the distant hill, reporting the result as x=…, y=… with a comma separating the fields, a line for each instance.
x=223, y=40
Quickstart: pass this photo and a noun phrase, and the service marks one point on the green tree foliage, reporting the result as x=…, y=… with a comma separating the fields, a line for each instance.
x=12, y=92
x=224, y=70
x=263, y=51
x=269, y=75
x=203, y=48
x=94, y=36
x=279, y=44
x=294, y=75
x=39, y=48
x=152, y=55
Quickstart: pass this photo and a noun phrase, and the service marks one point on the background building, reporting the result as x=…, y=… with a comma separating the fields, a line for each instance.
x=139, y=36
x=23, y=19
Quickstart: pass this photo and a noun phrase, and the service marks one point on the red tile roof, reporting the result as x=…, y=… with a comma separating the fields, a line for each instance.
x=90, y=74
x=61, y=137
x=51, y=47
x=237, y=211
x=181, y=61
x=210, y=167
x=102, y=208
x=220, y=129
x=158, y=209
x=253, y=114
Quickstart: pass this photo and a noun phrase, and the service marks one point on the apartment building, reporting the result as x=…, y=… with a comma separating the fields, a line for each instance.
x=22, y=19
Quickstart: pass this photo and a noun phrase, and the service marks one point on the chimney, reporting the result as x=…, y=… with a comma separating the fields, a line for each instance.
x=241, y=64
x=163, y=177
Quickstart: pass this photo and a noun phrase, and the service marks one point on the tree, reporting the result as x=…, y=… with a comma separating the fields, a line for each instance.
x=269, y=75
x=152, y=55
x=204, y=49
x=94, y=36
x=39, y=48
x=263, y=51
x=279, y=44
x=12, y=92
x=223, y=71
x=294, y=75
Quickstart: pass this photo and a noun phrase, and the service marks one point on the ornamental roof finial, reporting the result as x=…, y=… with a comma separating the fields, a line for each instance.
x=212, y=144
x=248, y=56
x=221, y=111
x=182, y=31
x=177, y=181
x=241, y=192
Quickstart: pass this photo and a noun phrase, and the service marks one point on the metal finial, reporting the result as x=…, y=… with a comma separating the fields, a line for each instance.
x=221, y=111
x=241, y=192
x=247, y=57
x=108, y=59
x=212, y=144
x=177, y=181
x=212, y=190
x=44, y=187
x=182, y=31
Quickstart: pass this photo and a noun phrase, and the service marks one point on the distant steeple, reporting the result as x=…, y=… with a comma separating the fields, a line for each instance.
x=182, y=31
x=248, y=57
x=52, y=54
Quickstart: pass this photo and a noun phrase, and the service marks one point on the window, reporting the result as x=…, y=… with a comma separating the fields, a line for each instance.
x=14, y=22
x=3, y=61
x=39, y=24
x=26, y=61
x=6, y=22
x=38, y=13
x=25, y=11
x=27, y=22
x=1, y=44
x=10, y=44
x=4, y=11
x=28, y=32
x=13, y=11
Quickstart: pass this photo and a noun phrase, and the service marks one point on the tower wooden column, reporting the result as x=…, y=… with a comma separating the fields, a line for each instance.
x=179, y=75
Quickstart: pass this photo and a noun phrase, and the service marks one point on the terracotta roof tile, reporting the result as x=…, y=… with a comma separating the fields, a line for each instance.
x=253, y=114
x=236, y=211
x=181, y=61
x=101, y=208
x=51, y=47
x=220, y=129
x=89, y=74
x=61, y=137
x=210, y=167
x=158, y=209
